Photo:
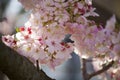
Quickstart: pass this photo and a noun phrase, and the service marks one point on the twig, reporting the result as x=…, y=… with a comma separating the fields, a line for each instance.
x=87, y=76
x=37, y=63
x=105, y=68
x=84, y=70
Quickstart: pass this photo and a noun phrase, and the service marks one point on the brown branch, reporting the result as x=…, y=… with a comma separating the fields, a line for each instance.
x=87, y=76
x=105, y=68
x=37, y=63
x=17, y=67
x=84, y=70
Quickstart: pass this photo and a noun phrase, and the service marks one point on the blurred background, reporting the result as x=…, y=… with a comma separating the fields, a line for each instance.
x=70, y=70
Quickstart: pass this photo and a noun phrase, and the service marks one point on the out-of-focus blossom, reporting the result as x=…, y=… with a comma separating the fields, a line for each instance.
x=114, y=73
x=5, y=27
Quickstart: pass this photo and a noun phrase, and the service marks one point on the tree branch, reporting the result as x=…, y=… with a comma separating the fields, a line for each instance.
x=17, y=67
x=105, y=68
x=84, y=70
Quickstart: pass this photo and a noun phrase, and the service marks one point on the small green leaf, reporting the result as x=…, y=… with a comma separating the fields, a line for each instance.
x=17, y=29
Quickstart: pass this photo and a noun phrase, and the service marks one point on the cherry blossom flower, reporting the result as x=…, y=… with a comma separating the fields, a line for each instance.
x=50, y=21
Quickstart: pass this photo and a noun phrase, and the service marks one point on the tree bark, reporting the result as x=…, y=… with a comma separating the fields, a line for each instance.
x=17, y=67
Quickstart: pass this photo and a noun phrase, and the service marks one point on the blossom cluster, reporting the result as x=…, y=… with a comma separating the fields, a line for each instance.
x=59, y=11
x=34, y=44
x=42, y=37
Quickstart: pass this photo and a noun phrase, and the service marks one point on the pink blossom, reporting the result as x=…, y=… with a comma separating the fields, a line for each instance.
x=51, y=20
